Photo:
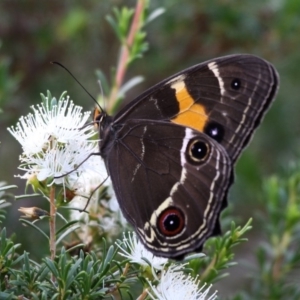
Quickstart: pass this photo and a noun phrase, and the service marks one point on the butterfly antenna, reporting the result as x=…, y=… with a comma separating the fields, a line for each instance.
x=62, y=66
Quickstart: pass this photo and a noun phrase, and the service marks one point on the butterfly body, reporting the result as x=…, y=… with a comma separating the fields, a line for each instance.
x=170, y=152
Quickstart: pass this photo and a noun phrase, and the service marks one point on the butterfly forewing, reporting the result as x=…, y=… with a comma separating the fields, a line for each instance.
x=224, y=98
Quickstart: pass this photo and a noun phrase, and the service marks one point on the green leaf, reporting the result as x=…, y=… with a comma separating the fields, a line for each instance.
x=154, y=15
x=30, y=224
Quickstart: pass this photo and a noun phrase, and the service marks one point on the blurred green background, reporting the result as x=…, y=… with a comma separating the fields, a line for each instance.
x=76, y=33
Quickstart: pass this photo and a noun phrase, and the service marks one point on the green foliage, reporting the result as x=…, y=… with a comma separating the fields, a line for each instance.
x=74, y=23
x=86, y=276
x=4, y=197
x=121, y=23
x=220, y=254
x=82, y=277
x=8, y=258
x=278, y=257
x=8, y=84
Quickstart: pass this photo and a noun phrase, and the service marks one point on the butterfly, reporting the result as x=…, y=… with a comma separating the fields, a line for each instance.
x=170, y=152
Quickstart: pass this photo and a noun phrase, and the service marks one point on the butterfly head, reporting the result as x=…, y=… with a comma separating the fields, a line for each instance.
x=103, y=123
x=98, y=117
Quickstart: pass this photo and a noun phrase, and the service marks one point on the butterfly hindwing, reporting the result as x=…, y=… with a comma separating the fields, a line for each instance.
x=172, y=181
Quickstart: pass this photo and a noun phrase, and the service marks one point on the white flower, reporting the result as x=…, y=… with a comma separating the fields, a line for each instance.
x=113, y=206
x=139, y=254
x=55, y=162
x=64, y=122
x=55, y=141
x=86, y=185
x=88, y=182
x=176, y=285
x=106, y=213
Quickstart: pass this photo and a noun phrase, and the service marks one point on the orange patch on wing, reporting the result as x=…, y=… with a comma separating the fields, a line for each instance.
x=190, y=114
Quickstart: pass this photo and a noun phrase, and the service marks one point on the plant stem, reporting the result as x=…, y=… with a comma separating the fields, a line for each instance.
x=124, y=55
x=208, y=269
x=52, y=219
x=143, y=295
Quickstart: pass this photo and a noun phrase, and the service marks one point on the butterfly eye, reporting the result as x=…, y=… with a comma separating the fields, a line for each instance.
x=171, y=221
x=236, y=84
x=197, y=151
